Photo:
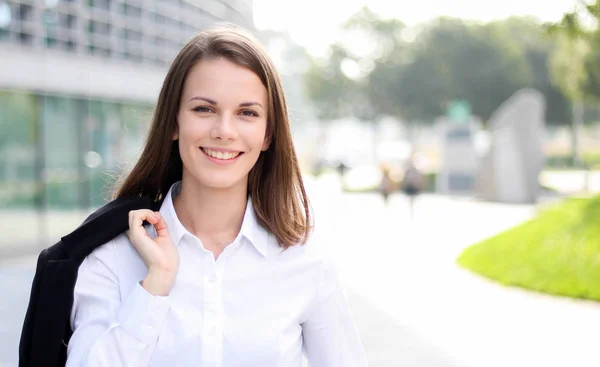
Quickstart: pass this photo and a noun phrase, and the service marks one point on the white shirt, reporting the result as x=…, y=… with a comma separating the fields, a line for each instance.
x=257, y=305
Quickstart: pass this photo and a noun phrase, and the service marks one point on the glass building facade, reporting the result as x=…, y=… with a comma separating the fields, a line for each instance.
x=78, y=83
x=61, y=152
x=146, y=31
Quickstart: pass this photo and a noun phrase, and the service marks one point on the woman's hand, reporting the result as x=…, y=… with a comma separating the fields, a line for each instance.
x=159, y=254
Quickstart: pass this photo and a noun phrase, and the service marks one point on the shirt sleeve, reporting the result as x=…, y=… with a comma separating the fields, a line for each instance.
x=108, y=330
x=330, y=335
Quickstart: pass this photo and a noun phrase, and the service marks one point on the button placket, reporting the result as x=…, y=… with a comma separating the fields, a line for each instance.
x=212, y=330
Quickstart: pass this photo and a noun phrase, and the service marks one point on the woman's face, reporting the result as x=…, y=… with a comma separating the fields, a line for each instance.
x=222, y=123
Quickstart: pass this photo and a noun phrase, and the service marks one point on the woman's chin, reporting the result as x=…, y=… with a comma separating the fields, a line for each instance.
x=223, y=183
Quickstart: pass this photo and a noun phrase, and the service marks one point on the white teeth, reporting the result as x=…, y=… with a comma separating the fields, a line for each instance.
x=220, y=155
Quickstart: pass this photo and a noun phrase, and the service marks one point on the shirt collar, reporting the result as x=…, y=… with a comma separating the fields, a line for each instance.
x=251, y=229
x=167, y=210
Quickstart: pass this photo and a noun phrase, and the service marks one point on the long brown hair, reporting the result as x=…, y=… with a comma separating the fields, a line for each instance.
x=274, y=183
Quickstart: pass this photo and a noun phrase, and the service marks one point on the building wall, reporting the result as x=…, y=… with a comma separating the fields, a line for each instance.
x=102, y=48
x=78, y=83
x=149, y=31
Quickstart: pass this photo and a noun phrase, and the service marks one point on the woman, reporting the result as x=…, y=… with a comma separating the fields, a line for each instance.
x=220, y=276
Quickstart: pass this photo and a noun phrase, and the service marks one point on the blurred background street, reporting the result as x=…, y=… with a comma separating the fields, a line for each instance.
x=493, y=107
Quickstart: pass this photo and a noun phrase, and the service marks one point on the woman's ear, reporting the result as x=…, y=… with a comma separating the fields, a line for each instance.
x=175, y=133
x=266, y=144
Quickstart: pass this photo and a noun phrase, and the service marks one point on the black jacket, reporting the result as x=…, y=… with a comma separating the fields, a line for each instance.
x=46, y=329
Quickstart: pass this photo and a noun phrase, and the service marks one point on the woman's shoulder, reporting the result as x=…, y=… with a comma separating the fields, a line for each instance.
x=313, y=254
x=116, y=254
x=316, y=265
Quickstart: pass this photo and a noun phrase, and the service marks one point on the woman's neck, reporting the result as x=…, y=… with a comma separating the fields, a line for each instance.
x=214, y=215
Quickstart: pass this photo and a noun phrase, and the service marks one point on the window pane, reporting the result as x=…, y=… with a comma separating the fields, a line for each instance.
x=18, y=120
x=19, y=185
x=60, y=130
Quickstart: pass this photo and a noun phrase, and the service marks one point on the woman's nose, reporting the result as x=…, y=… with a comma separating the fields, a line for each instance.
x=224, y=128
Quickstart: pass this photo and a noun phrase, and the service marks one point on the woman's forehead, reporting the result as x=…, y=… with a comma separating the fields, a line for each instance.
x=223, y=78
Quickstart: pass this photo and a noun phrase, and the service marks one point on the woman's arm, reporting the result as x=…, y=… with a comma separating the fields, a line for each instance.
x=108, y=330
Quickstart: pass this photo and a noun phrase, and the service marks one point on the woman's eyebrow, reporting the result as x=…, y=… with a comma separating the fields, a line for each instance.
x=248, y=104
x=203, y=99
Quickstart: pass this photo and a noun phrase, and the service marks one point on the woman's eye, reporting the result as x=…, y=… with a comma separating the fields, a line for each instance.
x=202, y=109
x=249, y=113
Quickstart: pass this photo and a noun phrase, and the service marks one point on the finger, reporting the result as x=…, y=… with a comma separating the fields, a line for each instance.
x=136, y=222
x=132, y=232
x=152, y=218
x=143, y=214
x=137, y=217
x=130, y=218
x=161, y=226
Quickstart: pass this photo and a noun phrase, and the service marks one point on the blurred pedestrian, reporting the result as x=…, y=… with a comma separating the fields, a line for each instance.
x=342, y=168
x=387, y=185
x=207, y=282
x=413, y=183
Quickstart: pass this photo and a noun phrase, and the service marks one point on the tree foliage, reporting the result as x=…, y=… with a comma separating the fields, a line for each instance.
x=576, y=62
x=414, y=78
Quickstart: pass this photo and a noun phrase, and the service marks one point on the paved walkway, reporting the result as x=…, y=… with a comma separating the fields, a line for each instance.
x=407, y=270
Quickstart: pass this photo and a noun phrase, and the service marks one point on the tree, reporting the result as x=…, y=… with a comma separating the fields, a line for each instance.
x=480, y=64
x=383, y=63
x=576, y=63
x=538, y=48
x=334, y=94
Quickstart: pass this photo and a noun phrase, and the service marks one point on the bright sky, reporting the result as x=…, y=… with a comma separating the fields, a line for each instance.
x=314, y=23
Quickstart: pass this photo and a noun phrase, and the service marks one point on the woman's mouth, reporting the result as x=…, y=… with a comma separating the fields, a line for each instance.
x=225, y=156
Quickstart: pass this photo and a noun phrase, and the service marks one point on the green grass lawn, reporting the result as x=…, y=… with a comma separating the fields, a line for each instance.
x=557, y=252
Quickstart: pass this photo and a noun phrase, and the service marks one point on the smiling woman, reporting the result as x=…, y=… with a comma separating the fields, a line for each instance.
x=222, y=274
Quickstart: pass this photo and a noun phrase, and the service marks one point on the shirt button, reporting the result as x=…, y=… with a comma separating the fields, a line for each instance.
x=212, y=332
